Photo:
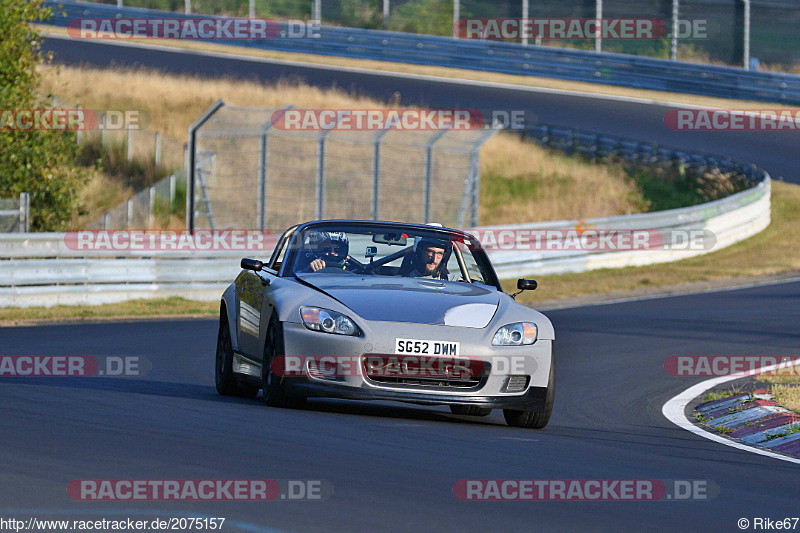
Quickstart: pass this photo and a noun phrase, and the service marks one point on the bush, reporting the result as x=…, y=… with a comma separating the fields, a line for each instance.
x=38, y=162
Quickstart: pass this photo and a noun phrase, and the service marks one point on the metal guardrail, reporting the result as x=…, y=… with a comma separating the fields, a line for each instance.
x=509, y=58
x=67, y=279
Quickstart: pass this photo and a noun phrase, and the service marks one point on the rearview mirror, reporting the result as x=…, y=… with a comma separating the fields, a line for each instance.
x=527, y=284
x=392, y=239
x=252, y=264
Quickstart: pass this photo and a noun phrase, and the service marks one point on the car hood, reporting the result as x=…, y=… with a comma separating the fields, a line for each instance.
x=414, y=300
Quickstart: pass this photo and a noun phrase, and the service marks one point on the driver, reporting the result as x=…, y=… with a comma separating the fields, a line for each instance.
x=429, y=260
x=327, y=249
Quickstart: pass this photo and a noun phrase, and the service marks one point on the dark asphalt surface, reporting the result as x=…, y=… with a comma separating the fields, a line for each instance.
x=393, y=466
x=773, y=151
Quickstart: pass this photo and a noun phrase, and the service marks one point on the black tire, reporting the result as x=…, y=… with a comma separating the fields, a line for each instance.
x=470, y=410
x=225, y=380
x=272, y=384
x=535, y=419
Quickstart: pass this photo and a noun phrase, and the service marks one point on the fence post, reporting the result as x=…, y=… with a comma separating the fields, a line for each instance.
x=188, y=7
x=386, y=11
x=746, y=54
x=598, y=42
x=171, y=191
x=25, y=212
x=376, y=174
x=78, y=132
x=106, y=220
x=151, y=219
x=673, y=49
x=524, y=16
x=456, y=16
x=426, y=192
x=191, y=147
x=130, y=142
x=252, y=11
x=262, y=166
x=103, y=130
x=119, y=3
x=158, y=149
x=129, y=216
x=317, y=15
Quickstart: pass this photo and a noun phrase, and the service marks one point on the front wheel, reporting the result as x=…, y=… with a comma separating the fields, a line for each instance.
x=224, y=379
x=271, y=383
x=535, y=419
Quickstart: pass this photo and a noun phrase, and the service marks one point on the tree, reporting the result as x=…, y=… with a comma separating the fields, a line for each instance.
x=41, y=162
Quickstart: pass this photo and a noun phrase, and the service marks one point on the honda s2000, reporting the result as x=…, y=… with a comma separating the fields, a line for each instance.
x=384, y=311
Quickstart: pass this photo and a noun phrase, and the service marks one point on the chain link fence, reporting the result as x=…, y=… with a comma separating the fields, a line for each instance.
x=249, y=174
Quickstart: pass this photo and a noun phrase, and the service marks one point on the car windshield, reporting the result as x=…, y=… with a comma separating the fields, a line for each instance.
x=386, y=250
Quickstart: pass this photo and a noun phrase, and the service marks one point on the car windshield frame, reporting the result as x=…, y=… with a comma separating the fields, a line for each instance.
x=479, y=255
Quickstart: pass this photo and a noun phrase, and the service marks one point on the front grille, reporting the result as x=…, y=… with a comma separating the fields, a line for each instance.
x=437, y=373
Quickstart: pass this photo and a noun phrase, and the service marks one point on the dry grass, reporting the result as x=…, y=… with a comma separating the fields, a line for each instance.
x=788, y=395
x=773, y=251
x=521, y=182
x=454, y=73
x=554, y=186
x=100, y=194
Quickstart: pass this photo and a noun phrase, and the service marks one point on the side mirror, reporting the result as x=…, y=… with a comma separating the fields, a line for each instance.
x=252, y=264
x=527, y=284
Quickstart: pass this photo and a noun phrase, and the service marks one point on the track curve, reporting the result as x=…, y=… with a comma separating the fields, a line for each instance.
x=772, y=151
x=393, y=466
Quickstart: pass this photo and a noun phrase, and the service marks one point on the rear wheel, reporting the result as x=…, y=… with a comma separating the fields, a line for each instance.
x=224, y=378
x=535, y=419
x=271, y=383
x=470, y=410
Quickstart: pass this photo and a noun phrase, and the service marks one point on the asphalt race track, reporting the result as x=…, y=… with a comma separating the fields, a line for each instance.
x=773, y=151
x=393, y=466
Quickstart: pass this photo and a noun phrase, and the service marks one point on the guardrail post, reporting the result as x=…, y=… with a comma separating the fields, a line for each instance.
x=25, y=212
x=426, y=192
x=157, y=157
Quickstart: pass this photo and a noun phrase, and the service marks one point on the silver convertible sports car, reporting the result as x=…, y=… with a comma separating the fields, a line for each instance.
x=384, y=311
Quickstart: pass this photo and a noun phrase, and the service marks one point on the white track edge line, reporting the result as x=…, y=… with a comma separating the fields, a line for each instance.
x=675, y=411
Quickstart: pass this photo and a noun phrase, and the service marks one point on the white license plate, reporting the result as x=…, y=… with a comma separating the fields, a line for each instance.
x=424, y=347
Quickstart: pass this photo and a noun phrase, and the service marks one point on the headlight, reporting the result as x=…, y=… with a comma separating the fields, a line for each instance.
x=517, y=334
x=318, y=319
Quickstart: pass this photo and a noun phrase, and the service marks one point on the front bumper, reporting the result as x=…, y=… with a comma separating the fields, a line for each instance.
x=534, y=362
